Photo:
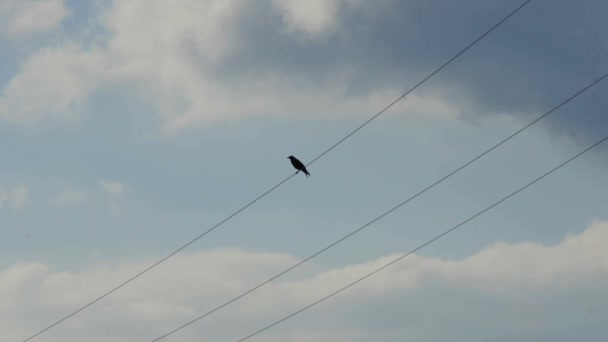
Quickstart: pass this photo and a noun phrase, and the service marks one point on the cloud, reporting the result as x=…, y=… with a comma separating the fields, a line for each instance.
x=216, y=62
x=114, y=190
x=69, y=197
x=174, y=66
x=53, y=84
x=312, y=17
x=529, y=290
x=16, y=198
x=23, y=18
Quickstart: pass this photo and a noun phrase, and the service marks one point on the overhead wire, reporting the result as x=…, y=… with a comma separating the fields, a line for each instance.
x=116, y=288
x=403, y=256
x=442, y=179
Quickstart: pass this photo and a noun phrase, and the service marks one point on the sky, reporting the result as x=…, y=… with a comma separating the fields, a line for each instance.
x=128, y=128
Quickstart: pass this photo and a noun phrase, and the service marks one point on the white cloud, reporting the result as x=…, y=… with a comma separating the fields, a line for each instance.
x=503, y=290
x=313, y=17
x=22, y=18
x=53, y=84
x=69, y=197
x=15, y=198
x=188, y=95
x=114, y=190
x=164, y=53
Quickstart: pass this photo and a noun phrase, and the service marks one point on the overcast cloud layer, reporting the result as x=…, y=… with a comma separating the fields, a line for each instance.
x=526, y=291
x=207, y=62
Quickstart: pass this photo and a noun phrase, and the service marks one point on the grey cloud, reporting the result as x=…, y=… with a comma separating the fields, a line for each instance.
x=545, y=53
x=250, y=51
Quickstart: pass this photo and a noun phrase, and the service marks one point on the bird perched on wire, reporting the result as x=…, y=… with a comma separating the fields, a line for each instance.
x=298, y=165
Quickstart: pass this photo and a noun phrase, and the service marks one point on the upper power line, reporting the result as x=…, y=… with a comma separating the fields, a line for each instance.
x=403, y=256
x=342, y=239
x=116, y=288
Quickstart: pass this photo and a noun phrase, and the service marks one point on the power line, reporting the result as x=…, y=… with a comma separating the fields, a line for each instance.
x=424, y=244
x=424, y=80
x=387, y=212
x=280, y=183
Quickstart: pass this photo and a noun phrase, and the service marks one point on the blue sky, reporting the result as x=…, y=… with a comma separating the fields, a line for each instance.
x=128, y=128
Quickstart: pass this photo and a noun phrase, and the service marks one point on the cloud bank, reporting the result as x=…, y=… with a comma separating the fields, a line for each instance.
x=201, y=63
x=525, y=290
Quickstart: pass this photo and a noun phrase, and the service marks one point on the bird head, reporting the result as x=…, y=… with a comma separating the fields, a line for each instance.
x=290, y=157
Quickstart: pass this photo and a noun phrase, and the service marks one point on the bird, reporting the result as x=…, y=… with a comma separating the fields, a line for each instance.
x=298, y=165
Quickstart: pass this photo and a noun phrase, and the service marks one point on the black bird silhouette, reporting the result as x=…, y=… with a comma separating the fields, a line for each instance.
x=298, y=165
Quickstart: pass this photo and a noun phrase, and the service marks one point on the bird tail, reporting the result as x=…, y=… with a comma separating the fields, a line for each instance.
x=306, y=172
